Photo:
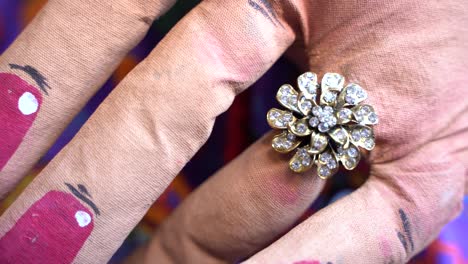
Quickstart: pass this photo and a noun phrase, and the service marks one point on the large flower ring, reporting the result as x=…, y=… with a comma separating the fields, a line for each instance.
x=323, y=133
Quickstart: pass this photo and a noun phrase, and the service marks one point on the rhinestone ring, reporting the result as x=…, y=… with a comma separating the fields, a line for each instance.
x=327, y=132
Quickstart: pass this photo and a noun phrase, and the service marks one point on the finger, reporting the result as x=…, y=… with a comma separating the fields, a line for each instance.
x=416, y=183
x=143, y=134
x=388, y=220
x=55, y=66
x=193, y=233
x=238, y=211
x=415, y=187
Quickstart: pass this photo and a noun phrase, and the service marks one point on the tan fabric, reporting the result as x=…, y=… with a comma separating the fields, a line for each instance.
x=412, y=58
x=75, y=45
x=157, y=118
x=410, y=55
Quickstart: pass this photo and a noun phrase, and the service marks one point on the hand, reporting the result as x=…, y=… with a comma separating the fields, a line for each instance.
x=417, y=179
x=410, y=59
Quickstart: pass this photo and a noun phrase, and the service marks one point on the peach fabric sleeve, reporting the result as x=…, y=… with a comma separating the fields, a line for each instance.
x=410, y=55
x=55, y=66
x=144, y=133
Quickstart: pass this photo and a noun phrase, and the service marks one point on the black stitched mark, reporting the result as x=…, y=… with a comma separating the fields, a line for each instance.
x=261, y=10
x=35, y=75
x=83, y=198
x=83, y=189
x=406, y=227
x=270, y=9
x=402, y=239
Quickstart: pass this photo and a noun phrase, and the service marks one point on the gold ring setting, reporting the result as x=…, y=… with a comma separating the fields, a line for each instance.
x=325, y=122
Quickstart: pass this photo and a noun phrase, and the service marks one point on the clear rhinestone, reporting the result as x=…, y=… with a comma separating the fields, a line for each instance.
x=319, y=143
x=358, y=118
x=329, y=97
x=279, y=123
x=344, y=114
x=332, y=164
x=350, y=99
x=287, y=144
x=324, y=171
x=366, y=132
x=355, y=94
x=361, y=94
x=287, y=96
x=286, y=89
x=356, y=135
x=325, y=157
x=276, y=144
x=340, y=134
x=350, y=162
x=328, y=109
x=295, y=165
x=306, y=161
x=317, y=111
x=352, y=152
x=303, y=82
x=369, y=143
x=373, y=118
x=306, y=105
x=312, y=89
x=351, y=89
x=323, y=127
x=314, y=121
x=302, y=153
x=307, y=82
x=340, y=151
x=332, y=121
x=325, y=118
x=333, y=80
x=288, y=117
x=293, y=99
x=273, y=115
x=301, y=128
x=291, y=137
x=365, y=110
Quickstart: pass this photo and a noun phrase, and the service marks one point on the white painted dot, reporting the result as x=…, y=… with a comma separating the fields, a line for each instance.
x=83, y=218
x=28, y=104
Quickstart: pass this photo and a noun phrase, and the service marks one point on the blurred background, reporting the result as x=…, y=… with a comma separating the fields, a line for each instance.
x=234, y=130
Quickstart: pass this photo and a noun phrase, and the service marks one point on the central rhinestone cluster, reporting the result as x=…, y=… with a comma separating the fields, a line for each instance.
x=323, y=118
x=325, y=122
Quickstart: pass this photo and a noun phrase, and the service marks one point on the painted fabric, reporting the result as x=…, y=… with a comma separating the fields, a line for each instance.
x=233, y=132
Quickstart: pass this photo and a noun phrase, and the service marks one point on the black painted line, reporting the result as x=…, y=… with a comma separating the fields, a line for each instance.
x=261, y=10
x=406, y=227
x=83, y=198
x=35, y=75
x=84, y=190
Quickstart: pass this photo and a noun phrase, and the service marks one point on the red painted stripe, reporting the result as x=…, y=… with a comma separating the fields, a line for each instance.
x=48, y=232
